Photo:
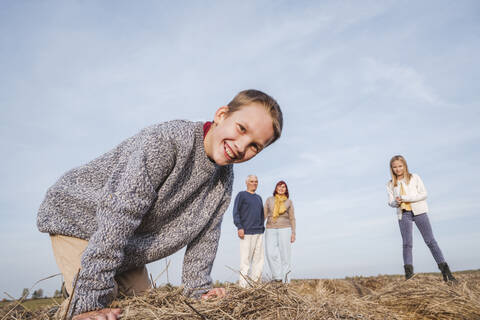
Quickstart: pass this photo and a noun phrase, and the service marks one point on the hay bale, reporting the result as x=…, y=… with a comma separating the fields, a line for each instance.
x=425, y=296
x=428, y=297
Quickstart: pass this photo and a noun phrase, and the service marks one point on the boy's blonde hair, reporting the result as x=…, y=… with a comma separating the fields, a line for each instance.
x=250, y=96
x=407, y=175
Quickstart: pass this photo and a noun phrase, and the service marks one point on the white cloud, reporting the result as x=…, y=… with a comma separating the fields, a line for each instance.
x=397, y=82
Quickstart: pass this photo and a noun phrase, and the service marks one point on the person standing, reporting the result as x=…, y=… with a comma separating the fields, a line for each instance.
x=249, y=219
x=407, y=194
x=280, y=233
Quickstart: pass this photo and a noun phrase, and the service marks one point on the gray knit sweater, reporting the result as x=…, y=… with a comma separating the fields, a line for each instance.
x=147, y=198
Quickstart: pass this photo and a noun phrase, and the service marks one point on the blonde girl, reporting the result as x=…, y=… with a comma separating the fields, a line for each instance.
x=408, y=195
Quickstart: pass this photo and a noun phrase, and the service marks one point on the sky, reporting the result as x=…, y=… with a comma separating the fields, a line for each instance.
x=358, y=82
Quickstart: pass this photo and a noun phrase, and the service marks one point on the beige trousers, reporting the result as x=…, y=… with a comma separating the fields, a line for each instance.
x=68, y=255
x=251, y=259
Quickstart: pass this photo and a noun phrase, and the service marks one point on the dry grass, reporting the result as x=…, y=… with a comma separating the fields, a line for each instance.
x=425, y=296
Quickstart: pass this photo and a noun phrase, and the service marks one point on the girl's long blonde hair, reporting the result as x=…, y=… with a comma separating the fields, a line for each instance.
x=407, y=174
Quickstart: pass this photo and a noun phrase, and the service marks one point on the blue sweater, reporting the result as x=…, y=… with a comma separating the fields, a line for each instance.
x=248, y=213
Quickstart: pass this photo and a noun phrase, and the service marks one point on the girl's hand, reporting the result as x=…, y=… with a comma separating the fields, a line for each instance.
x=292, y=238
x=103, y=314
x=399, y=200
x=214, y=293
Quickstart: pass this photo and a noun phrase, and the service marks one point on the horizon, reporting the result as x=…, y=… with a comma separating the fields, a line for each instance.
x=218, y=282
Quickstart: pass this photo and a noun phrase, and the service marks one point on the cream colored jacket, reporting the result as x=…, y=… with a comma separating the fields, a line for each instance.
x=415, y=194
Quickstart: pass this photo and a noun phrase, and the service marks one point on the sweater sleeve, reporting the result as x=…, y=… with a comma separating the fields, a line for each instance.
x=391, y=199
x=291, y=216
x=200, y=255
x=267, y=208
x=421, y=192
x=237, y=220
x=263, y=212
x=126, y=197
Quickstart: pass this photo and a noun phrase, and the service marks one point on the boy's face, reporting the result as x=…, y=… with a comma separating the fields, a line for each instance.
x=239, y=136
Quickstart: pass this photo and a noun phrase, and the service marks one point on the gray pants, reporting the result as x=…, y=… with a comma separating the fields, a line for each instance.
x=423, y=224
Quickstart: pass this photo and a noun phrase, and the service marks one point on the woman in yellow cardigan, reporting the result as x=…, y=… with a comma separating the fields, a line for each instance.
x=280, y=232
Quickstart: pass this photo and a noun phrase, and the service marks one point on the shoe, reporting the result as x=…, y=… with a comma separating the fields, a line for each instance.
x=446, y=273
x=408, y=271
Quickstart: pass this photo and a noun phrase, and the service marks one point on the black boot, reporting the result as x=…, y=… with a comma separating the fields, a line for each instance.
x=447, y=275
x=408, y=271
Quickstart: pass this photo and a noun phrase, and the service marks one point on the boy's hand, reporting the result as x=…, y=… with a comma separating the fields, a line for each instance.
x=103, y=314
x=241, y=233
x=214, y=293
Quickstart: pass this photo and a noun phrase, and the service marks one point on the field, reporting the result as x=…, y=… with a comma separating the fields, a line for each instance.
x=425, y=296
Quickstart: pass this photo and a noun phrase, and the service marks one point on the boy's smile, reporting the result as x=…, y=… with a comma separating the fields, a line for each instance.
x=238, y=136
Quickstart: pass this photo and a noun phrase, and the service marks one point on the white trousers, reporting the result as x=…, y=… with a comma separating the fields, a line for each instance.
x=278, y=252
x=251, y=258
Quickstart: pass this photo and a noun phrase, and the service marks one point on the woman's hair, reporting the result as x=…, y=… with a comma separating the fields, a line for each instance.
x=407, y=174
x=278, y=184
x=247, y=97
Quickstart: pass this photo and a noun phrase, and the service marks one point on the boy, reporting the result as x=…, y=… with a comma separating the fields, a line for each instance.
x=165, y=188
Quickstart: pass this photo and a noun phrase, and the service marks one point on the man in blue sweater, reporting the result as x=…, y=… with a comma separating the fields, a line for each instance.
x=249, y=220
